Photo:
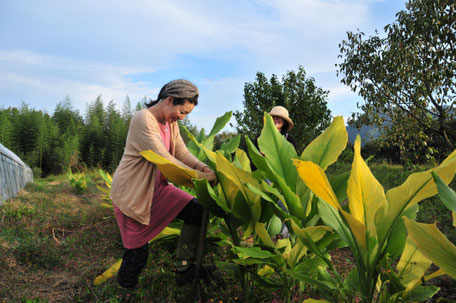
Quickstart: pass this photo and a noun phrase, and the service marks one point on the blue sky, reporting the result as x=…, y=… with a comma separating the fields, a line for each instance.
x=50, y=49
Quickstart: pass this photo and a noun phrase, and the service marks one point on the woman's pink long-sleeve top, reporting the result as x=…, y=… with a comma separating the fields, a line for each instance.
x=133, y=182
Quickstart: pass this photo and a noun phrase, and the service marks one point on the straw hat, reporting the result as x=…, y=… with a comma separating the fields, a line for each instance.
x=280, y=111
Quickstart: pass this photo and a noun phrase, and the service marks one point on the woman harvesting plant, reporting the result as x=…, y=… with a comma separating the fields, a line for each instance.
x=144, y=202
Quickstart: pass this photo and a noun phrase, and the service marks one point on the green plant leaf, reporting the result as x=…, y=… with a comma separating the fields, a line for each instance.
x=398, y=235
x=231, y=145
x=233, y=269
x=241, y=160
x=446, y=194
x=252, y=252
x=220, y=123
x=417, y=187
x=302, y=276
x=331, y=217
x=278, y=152
x=433, y=245
x=240, y=178
x=339, y=185
x=327, y=147
x=106, y=176
x=202, y=189
x=422, y=293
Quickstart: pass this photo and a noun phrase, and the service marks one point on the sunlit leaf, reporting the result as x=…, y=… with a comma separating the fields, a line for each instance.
x=412, y=265
x=242, y=160
x=220, y=123
x=433, y=245
x=292, y=200
x=417, y=187
x=327, y=147
x=106, y=176
x=358, y=229
x=178, y=175
x=240, y=178
x=296, y=253
x=315, y=179
x=262, y=233
x=278, y=152
x=109, y=273
x=365, y=193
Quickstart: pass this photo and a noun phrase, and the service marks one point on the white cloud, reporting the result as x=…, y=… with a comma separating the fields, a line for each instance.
x=115, y=48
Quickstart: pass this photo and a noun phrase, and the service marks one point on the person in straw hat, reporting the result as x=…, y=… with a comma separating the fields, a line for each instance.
x=283, y=123
x=144, y=202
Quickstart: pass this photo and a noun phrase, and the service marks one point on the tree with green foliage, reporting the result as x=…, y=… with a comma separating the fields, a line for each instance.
x=6, y=129
x=93, y=145
x=410, y=71
x=306, y=104
x=70, y=125
x=116, y=131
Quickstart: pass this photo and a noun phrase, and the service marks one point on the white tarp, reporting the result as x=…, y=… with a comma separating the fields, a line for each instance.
x=14, y=174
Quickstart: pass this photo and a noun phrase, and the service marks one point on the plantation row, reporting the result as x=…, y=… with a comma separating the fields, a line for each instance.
x=392, y=251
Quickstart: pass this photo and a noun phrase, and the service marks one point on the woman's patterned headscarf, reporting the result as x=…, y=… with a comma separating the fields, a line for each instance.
x=179, y=88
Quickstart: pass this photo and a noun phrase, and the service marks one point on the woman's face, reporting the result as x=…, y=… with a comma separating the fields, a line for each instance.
x=278, y=122
x=177, y=112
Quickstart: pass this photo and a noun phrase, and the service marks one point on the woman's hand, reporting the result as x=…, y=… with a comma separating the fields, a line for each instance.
x=208, y=174
x=212, y=178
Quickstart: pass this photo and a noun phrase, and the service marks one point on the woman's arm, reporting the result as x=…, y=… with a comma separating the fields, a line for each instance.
x=145, y=135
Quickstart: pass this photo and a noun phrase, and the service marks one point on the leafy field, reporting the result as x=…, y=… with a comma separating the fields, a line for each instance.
x=54, y=243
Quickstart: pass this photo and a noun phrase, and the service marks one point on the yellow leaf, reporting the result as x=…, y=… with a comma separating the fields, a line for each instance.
x=243, y=159
x=365, y=193
x=167, y=232
x=315, y=179
x=412, y=265
x=357, y=228
x=111, y=271
x=314, y=301
x=261, y=231
x=327, y=147
x=240, y=177
x=108, y=273
x=417, y=187
x=176, y=174
x=266, y=271
x=313, y=232
x=433, y=245
x=209, y=153
x=295, y=253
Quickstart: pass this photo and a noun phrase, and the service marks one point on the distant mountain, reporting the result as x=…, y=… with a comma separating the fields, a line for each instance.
x=367, y=133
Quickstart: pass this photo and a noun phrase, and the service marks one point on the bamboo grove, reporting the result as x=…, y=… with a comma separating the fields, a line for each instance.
x=49, y=144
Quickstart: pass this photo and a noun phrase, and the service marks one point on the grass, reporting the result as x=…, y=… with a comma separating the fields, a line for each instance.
x=55, y=242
